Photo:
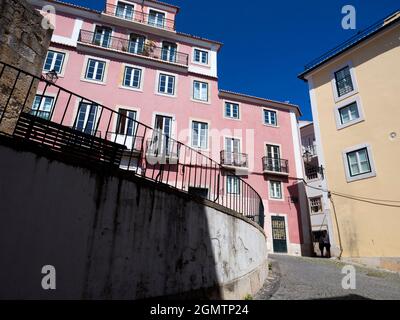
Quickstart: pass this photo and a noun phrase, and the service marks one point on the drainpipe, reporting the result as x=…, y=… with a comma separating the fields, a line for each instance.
x=337, y=224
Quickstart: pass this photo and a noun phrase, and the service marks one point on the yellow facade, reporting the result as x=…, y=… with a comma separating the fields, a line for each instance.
x=368, y=207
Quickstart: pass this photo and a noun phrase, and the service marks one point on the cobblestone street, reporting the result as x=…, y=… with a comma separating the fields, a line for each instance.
x=300, y=278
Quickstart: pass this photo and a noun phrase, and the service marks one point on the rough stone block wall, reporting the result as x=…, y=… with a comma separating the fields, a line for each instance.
x=23, y=44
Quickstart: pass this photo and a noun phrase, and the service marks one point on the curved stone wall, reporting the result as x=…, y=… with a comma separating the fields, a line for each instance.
x=111, y=235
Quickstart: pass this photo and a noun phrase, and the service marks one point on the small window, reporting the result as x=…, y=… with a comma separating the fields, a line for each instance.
x=270, y=118
x=124, y=11
x=200, y=91
x=137, y=44
x=169, y=52
x=95, y=70
x=126, y=124
x=42, y=106
x=358, y=162
x=275, y=189
x=232, y=185
x=156, y=18
x=102, y=36
x=54, y=61
x=316, y=205
x=199, y=135
x=349, y=113
x=86, y=118
x=231, y=110
x=200, y=56
x=344, y=83
x=132, y=77
x=166, y=84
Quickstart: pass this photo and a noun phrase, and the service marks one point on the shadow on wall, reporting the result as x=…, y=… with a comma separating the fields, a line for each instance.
x=106, y=236
x=298, y=195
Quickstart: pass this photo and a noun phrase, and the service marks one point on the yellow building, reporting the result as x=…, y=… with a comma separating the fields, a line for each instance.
x=355, y=99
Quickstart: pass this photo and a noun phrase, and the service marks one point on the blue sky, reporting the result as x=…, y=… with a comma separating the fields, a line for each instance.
x=267, y=43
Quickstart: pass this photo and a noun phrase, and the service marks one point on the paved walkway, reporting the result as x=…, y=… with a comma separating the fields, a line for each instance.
x=298, y=278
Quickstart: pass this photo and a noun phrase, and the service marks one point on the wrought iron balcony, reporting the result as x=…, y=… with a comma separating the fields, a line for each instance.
x=314, y=172
x=275, y=166
x=126, y=13
x=234, y=159
x=132, y=47
x=161, y=146
x=132, y=143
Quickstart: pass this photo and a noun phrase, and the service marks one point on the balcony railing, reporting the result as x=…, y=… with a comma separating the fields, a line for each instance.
x=126, y=13
x=163, y=147
x=234, y=159
x=275, y=165
x=132, y=142
x=314, y=172
x=132, y=47
x=310, y=150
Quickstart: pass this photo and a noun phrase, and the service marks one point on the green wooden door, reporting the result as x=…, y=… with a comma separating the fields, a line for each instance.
x=279, y=234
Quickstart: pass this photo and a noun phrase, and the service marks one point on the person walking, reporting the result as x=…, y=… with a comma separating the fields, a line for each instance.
x=327, y=243
x=321, y=245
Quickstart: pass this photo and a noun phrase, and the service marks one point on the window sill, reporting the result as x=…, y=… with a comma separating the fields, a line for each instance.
x=271, y=126
x=166, y=95
x=361, y=177
x=349, y=124
x=276, y=199
x=199, y=64
x=102, y=83
x=234, y=119
x=200, y=101
x=131, y=89
x=346, y=96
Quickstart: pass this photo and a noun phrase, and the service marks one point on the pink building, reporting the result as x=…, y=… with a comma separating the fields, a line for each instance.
x=130, y=57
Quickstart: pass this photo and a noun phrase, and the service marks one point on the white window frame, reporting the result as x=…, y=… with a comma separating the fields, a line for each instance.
x=125, y=3
x=271, y=189
x=171, y=43
x=199, y=62
x=140, y=88
x=232, y=188
x=224, y=110
x=85, y=68
x=64, y=61
x=95, y=26
x=319, y=198
x=198, y=145
x=336, y=110
x=362, y=176
x=353, y=79
x=50, y=95
x=158, y=82
x=276, y=117
x=118, y=107
x=158, y=11
x=201, y=88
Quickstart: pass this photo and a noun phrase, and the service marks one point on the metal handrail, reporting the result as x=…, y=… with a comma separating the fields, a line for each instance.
x=139, y=16
x=186, y=169
x=128, y=46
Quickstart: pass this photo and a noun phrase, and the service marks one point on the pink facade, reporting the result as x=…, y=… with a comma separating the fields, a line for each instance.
x=247, y=124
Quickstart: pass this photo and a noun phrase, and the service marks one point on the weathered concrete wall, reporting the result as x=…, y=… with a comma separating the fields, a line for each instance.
x=111, y=236
x=23, y=44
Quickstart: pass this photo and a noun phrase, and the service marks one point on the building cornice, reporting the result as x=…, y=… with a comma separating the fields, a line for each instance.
x=262, y=102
